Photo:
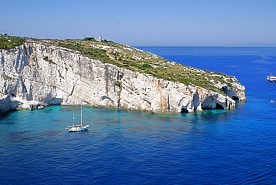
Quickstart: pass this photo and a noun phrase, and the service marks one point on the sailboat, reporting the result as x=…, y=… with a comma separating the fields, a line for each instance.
x=271, y=78
x=77, y=128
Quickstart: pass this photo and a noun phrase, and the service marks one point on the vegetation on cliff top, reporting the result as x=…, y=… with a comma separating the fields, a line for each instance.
x=133, y=59
x=9, y=42
x=144, y=62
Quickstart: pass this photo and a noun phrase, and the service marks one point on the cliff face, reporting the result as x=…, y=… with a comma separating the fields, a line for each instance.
x=54, y=75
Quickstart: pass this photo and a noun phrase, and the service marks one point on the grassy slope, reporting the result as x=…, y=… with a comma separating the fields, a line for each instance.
x=133, y=59
x=144, y=62
x=9, y=42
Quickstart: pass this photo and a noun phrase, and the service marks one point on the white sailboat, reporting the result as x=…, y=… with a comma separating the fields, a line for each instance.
x=271, y=78
x=77, y=128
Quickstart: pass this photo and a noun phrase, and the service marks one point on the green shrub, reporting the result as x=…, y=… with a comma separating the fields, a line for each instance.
x=118, y=83
x=89, y=38
x=9, y=42
x=46, y=58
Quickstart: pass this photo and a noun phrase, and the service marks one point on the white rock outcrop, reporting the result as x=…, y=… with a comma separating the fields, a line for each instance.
x=54, y=75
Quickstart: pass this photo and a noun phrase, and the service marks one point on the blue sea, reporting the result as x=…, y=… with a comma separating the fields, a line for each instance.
x=132, y=147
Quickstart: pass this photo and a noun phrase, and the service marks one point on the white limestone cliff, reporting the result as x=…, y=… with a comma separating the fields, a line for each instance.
x=54, y=75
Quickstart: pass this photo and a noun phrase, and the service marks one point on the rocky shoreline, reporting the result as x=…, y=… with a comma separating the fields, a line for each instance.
x=10, y=103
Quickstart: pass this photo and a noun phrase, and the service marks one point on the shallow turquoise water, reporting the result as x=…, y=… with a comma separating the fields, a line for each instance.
x=131, y=147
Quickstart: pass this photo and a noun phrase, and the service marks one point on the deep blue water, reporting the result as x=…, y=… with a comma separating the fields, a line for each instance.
x=131, y=147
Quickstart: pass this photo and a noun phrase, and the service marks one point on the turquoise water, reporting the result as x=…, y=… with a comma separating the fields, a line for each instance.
x=132, y=147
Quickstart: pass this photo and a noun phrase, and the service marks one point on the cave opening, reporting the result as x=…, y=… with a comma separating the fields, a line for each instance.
x=184, y=110
x=218, y=106
x=235, y=98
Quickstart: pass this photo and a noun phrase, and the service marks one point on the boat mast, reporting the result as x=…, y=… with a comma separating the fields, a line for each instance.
x=81, y=114
x=73, y=118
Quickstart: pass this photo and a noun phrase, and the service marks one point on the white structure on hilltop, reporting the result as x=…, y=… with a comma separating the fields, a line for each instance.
x=100, y=38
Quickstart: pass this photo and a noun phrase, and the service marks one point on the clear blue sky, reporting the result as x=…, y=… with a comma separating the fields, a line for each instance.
x=145, y=22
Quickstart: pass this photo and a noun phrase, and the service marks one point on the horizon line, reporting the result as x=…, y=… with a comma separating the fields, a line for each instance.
x=271, y=45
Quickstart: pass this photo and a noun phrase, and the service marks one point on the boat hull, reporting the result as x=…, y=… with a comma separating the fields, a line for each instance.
x=77, y=128
x=271, y=78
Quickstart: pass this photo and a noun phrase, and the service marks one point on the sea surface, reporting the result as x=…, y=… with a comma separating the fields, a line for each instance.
x=131, y=147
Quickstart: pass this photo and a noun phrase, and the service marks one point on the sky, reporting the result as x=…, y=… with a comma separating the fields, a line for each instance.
x=145, y=22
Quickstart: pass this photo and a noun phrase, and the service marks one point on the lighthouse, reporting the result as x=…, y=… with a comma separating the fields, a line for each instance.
x=100, y=38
